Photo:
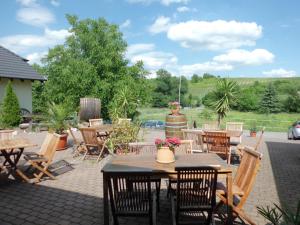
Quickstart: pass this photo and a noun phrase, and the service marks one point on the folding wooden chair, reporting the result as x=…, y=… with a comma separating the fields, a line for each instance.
x=240, y=147
x=195, y=193
x=92, y=143
x=235, y=126
x=196, y=137
x=218, y=142
x=95, y=122
x=78, y=145
x=42, y=160
x=130, y=195
x=242, y=184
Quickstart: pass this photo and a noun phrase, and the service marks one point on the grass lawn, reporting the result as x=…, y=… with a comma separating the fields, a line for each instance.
x=272, y=122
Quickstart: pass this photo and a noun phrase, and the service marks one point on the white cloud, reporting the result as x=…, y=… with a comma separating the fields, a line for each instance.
x=152, y=59
x=139, y=48
x=27, y=2
x=36, y=57
x=200, y=68
x=35, y=16
x=280, y=73
x=24, y=43
x=161, y=24
x=55, y=2
x=183, y=9
x=126, y=23
x=163, y=2
x=214, y=35
x=244, y=57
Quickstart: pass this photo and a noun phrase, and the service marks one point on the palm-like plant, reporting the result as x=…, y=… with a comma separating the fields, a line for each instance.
x=56, y=117
x=225, y=95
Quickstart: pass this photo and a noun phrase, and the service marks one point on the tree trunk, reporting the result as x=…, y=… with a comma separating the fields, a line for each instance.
x=219, y=120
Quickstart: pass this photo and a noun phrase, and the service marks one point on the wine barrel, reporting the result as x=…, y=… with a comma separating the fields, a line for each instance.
x=174, y=125
x=90, y=108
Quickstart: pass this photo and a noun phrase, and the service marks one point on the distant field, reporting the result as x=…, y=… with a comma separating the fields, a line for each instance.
x=272, y=122
x=201, y=88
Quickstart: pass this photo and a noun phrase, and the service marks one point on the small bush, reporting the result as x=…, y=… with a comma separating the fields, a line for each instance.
x=10, y=113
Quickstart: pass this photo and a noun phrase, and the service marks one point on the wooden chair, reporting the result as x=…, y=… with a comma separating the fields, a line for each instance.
x=242, y=183
x=93, y=144
x=95, y=122
x=42, y=160
x=6, y=134
x=235, y=126
x=131, y=195
x=195, y=193
x=147, y=148
x=240, y=147
x=218, y=142
x=210, y=126
x=78, y=145
x=196, y=137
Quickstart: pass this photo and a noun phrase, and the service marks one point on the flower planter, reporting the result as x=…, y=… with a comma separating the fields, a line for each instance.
x=252, y=133
x=63, y=142
x=165, y=155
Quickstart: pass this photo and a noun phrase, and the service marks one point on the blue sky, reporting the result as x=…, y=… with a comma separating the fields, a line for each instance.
x=254, y=38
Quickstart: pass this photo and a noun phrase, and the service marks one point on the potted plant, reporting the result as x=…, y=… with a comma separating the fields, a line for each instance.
x=174, y=107
x=253, y=130
x=56, y=118
x=165, y=149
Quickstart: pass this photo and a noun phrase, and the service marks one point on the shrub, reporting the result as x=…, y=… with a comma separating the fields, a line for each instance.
x=10, y=109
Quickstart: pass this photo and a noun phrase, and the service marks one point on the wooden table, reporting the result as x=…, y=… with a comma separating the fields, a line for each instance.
x=104, y=130
x=147, y=163
x=12, y=150
x=230, y=133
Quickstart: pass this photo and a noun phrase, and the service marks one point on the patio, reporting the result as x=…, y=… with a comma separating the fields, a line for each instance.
x=76, y=196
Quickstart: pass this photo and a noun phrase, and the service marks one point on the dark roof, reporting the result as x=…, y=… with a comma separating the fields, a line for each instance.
x=14, y=66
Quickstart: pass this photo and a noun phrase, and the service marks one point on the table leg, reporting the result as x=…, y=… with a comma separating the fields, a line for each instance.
x=229, y=199
x=105, y=200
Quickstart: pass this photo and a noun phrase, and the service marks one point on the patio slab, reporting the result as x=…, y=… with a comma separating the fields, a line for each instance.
x=76, y=196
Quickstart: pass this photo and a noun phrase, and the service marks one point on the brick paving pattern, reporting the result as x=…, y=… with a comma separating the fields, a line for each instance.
x=76, y=196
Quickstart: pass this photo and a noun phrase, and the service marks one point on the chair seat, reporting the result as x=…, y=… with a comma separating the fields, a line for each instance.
x=221, y=189
x=35, y=158
x=235, y=143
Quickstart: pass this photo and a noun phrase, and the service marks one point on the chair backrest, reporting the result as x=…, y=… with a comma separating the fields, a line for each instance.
x=210, y=126
x=45, y=144
x=142, y=148
x=95, y=122
x=50, y=150
x=217, y=142
x=195, y=136
x=238, y=126
x=75, y=139
x=259, y=139
x=185, y=147
x=6, y=134
x=89, y=135
x=246, y=172
x=130, y=192
x=196, y=188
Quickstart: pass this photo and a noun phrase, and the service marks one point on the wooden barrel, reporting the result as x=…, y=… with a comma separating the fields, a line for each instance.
x=174, y=125
x=90, y=108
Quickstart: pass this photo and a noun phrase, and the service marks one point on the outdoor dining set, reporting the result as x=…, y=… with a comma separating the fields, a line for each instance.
x=200, y=176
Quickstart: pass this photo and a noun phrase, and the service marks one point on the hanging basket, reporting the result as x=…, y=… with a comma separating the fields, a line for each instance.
x=165, y=155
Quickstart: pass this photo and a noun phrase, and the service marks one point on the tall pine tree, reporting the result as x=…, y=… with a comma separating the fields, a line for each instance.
x=269, y=102
x=10, y=109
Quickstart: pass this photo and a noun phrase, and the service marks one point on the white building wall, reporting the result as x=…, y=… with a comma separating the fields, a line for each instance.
x=23, y=90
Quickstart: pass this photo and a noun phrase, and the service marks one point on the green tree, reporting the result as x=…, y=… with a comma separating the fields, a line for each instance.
x=225, y=95
x=90, y=63
x=195, y=78
x=208, y=76
x=10, y=108
x=269, y=102
x=166, y=89
x=292, y=102
x=248, y=100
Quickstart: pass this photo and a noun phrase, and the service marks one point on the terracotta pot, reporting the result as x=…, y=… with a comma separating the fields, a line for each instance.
x=165, y=155
x=63, y=142
x=252, y=133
